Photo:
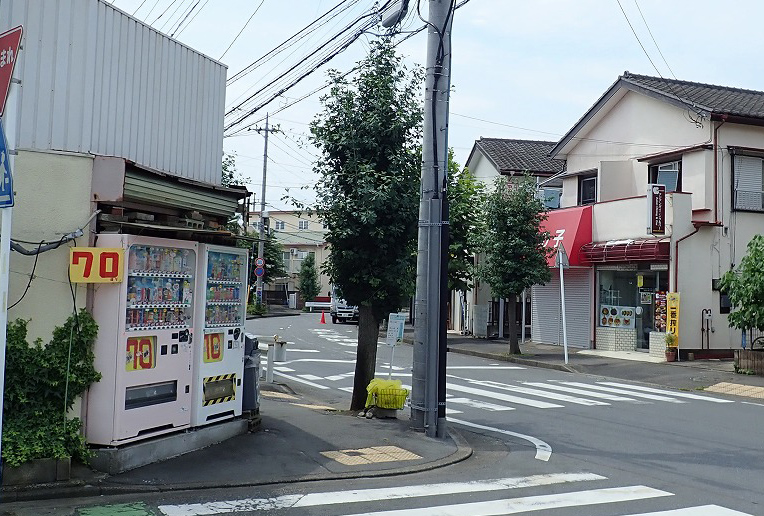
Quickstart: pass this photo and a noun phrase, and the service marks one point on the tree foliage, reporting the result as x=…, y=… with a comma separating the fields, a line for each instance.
x=309, y=284
x=513, y=243
x=465, y=197
x=367, y=196
x=745, y=287
x=273, y=253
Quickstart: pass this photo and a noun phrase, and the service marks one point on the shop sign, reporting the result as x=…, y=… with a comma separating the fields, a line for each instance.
x=10, y=41
x=96, y=264
x=571, y=228
x=672, y=318
x=141, y=353
x=617, y=316
x=395, y=327
x=656, y=206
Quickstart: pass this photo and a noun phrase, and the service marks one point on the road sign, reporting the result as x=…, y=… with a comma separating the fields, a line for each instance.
x=260, y=262
x=395, y=326
x=6, y=178
x=259, y=271
x=9, y=49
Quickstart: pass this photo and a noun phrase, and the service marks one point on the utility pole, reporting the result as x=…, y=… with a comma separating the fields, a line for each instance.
x=261, y=242
x=428, y=395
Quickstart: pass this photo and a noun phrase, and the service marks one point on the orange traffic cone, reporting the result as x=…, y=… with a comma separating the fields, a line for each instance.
x=323, y=317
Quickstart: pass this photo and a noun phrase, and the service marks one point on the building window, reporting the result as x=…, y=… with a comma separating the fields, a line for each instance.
x=587, y=190
x=669, y=174
x=303, y=224
x=280, y=225
x=550, y=196
x=748, y=178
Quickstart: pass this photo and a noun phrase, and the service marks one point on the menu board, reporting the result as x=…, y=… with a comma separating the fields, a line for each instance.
x=613, y=316
x=660, y=311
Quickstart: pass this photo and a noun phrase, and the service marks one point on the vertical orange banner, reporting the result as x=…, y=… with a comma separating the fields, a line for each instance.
x=672, y=317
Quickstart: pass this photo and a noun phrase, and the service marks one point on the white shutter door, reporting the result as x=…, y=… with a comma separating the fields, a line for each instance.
x=546, y=325
x=748, y=183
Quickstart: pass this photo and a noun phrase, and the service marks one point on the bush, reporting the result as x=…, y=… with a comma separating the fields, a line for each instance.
x=257, y=309
x=37, y=394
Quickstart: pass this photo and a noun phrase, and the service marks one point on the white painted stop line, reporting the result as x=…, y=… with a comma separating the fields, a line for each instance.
x=369, y=495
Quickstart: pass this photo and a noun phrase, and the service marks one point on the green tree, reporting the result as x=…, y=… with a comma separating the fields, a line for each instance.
x=273, y=253
x=367, y=195
x=465, y=197
x=309, y=285
x=745, y=287
x=513, y=243
x=229, y=175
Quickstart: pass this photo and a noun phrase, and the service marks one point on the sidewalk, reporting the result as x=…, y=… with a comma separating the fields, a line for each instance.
x=297, y=440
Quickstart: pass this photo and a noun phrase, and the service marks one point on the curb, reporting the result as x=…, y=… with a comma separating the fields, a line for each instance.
x=517, y=360
x=250, y=317
x=79, y=488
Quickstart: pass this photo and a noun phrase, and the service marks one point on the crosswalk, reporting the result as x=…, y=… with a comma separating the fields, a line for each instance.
x=467, y=393
x=514, y=495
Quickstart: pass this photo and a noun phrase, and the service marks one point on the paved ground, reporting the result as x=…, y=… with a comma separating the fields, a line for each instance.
x=299, y=440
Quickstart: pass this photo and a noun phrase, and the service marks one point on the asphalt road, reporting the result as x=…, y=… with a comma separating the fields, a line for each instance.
x=545, y=442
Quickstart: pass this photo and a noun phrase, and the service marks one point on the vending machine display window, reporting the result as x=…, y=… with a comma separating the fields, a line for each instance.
x=159, y=288
x=153, y=394
x=224, y=290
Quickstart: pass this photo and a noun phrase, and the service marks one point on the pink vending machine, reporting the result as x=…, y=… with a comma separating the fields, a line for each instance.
x=144, y=343
x=218, y=361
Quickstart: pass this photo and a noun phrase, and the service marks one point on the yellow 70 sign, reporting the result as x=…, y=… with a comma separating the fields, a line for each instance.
x=96, y=264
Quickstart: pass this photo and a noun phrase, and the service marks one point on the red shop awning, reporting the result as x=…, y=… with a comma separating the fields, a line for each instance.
x=571, y=227
x=648, y=250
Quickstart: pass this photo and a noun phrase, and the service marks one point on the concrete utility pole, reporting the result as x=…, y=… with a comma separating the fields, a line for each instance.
x=428, y=396
x=261, y=242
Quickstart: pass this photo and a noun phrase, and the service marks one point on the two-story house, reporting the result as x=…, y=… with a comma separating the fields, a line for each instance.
x=479, y=312
x=705, y=144
x=301, y=234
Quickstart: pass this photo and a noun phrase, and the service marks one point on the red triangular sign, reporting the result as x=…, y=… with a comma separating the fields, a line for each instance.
x=9, y=49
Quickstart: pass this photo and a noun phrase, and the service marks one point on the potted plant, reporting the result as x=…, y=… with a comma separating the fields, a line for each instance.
x=671, y=347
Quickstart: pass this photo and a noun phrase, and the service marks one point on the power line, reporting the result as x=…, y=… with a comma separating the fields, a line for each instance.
x=163, y=12
x=242, y=29
x=183, y=18
x=179, y=32
x=653, y=38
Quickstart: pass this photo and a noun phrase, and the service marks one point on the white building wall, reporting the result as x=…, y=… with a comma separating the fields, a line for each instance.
x=98, y=81
x=50, y=202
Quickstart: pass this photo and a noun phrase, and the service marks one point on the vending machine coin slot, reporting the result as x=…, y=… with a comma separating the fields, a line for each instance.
x=174, y=349
x=174, y=336
x=163, y=349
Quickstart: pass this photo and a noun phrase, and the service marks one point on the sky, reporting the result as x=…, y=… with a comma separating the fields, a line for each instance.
x=520, y=69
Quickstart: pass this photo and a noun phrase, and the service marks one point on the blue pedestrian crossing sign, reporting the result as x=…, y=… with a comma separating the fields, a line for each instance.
x=6, y=180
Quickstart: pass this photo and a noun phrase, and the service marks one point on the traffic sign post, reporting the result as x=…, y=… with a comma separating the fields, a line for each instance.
x=10, y=43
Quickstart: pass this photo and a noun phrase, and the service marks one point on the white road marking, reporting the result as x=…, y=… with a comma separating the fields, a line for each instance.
x=488, y=367
x=751, y=403
x=384, y=374
x=453, y=411
x=704, y=510
x=300, y=380
x=532, y=503
x=311, y=377
x=368, y=495
x=320, y=361
x=337, y=377
x=283, y=369
x=293, y=350
x=668, y=393
x=536, y=392
x=543, y=450
x=478, y=404
x=501, y=396
x=622, y=391
x=572, y=390
x=346, y=389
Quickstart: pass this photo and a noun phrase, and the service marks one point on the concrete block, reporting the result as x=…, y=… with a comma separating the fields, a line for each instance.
x=141, y=453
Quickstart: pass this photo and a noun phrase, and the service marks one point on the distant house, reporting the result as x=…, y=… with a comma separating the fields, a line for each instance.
x=301, y=234
x=480, y=313
x=705, y=144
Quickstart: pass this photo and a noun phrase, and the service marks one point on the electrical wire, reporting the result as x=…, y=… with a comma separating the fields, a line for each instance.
x=242, y=29
x=179, y=32
x=653, y=38
x=139, y=7
x=168, y=22
x=31, y=277
x=184, y=18
x=165, y=11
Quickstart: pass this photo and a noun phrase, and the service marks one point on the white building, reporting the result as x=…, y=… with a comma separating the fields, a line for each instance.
x=705, y=143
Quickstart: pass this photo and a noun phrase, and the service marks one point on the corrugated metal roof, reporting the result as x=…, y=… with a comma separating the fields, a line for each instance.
x=96, y=80
x=151, y=188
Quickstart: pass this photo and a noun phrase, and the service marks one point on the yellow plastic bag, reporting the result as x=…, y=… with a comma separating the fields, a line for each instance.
x=386, y=394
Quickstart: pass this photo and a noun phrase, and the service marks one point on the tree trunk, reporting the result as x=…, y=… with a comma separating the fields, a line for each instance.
x=366, y=357
x=514, y=345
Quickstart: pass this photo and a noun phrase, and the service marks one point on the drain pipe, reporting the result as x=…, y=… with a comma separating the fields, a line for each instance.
x=716, y=167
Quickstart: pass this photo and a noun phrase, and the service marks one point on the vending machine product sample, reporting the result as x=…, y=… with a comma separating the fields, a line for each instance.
x=144, y=344
x=218, y=361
